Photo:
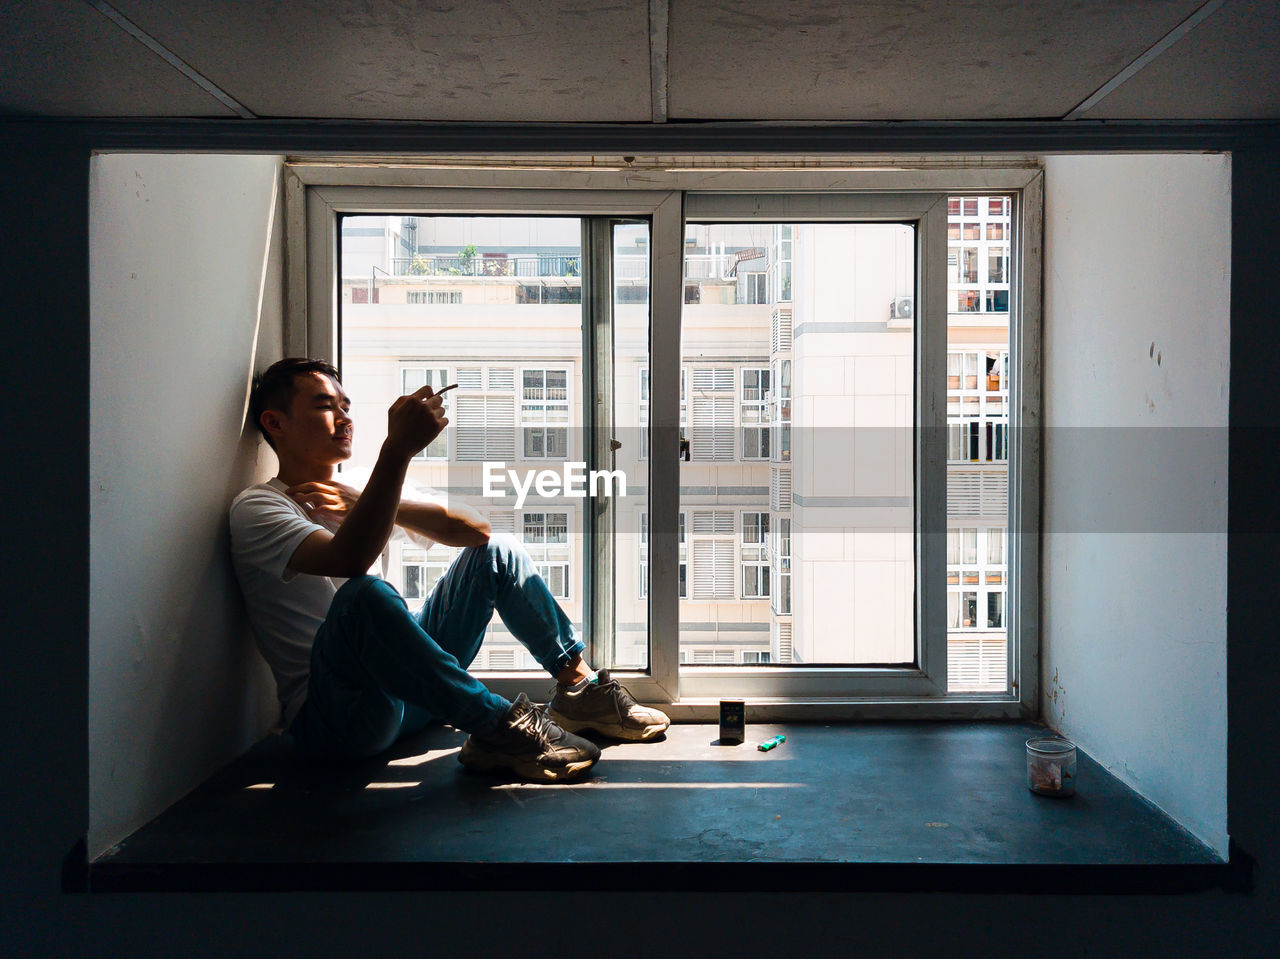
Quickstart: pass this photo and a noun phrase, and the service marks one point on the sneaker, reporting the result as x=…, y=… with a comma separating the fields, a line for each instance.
x=606, y=707
x=530, y=745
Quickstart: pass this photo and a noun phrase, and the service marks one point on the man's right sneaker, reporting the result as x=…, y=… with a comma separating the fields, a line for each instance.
x=530, y=745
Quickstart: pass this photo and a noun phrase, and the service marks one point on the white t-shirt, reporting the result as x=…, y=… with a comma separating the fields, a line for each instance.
x=286, y=607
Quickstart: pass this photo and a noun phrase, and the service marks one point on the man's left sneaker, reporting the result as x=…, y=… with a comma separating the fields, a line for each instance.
x=606, y=707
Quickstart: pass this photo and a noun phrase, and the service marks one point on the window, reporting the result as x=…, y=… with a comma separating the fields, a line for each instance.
x=420, y=569
x=755, y=561
x=739, y=378
x=644, y=557
x=433, y=297
x=976, y=572
x=484, y=411
x=780, y=556
x=414, y=378
x=978, y=254
x=713, y=559
x=546, y=537
x=643, y=381
x=754, y=413
x=544, y=413
x=978, y=406
x=713, y=426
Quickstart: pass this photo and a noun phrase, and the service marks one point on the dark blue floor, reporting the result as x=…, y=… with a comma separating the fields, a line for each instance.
x=876, y=794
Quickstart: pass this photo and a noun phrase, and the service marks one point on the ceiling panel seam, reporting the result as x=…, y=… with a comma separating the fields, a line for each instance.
x=171, y=58
x=1153, y=51
x=659, y=21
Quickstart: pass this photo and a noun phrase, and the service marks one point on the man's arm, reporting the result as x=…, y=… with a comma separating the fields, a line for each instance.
x=453, y=525
x=412, y=422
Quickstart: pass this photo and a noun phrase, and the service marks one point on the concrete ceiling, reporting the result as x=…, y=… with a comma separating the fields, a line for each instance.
x=643, y=60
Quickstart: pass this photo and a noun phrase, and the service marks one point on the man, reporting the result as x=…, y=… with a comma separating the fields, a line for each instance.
x=355, y=670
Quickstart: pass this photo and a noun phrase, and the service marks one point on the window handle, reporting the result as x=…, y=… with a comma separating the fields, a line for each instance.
x=615, y=445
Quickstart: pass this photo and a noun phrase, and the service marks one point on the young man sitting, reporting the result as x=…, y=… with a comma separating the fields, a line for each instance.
x=354, y=668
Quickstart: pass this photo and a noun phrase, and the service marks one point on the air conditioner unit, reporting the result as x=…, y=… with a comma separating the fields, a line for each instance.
x=902, y=308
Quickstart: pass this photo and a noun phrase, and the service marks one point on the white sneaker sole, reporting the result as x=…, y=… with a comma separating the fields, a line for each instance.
x=480, y=762
x=614, y=731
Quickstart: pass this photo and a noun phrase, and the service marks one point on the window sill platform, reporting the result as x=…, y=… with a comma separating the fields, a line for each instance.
x=885, y=807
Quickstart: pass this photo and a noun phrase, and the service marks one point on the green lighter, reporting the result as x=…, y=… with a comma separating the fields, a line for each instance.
x=768, y=744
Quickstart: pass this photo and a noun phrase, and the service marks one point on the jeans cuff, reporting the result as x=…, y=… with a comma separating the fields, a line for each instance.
x=565, y=657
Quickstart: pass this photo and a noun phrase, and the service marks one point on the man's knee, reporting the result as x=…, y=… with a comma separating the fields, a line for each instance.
x=363, y=591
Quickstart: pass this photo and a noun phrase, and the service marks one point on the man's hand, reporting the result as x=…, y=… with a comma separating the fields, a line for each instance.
x=326, y=499
x=415, y=420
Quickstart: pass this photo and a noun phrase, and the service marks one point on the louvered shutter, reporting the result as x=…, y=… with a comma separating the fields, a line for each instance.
x=779, y=489
x=502, y=521
x=713, y=568
x=713, y=426
x=786, y=652
x=486, y=427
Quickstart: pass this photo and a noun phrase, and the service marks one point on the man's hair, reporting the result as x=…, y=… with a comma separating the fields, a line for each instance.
x=274, y=388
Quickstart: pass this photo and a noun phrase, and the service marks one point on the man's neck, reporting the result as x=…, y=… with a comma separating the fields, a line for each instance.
x=293, y=473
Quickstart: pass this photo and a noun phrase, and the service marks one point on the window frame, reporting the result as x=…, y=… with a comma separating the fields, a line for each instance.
x=317, y=195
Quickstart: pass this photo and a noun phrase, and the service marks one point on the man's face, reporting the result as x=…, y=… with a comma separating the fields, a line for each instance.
x=318, y=426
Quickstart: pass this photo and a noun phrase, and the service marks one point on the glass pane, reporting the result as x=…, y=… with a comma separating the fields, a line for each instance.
x=828, y=442
x=439, y=300
x=978, y=428
x=631, y=419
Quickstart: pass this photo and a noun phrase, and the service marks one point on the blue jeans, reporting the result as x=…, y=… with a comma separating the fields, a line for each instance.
x=379, y=671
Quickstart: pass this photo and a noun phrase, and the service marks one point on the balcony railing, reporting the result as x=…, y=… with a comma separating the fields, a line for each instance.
x=626, y=266
x=538, y=265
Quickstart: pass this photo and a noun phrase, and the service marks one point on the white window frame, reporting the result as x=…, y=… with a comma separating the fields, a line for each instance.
x=317, y=194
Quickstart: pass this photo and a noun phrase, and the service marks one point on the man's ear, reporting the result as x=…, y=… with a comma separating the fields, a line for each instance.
x=271, y=421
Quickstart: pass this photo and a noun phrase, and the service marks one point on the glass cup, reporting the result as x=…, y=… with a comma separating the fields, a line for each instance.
x=1051, y=767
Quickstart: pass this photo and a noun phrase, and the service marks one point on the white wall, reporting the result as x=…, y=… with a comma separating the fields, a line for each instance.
x=185, y=300
x=1136, y=347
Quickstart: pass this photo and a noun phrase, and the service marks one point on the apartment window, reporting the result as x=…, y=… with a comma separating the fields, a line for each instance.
x=753, y=413
x=755, y=560
x=709, y=657
x=413, y=378
x=780, y=269
x=713, y=425
x=544, y=413
x=546, y=537
x=978, y=406
x=644, y=557
x=976, y=574
x=643, y=383
x=484, y=413
x=756, y=657
x=433, y=297
x=420, y=569
x=714, y=562
x=757, y=286
x=978, y=233
x=780, y=565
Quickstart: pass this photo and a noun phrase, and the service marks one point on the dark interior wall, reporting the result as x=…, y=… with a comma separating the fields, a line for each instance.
x=43, y=679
